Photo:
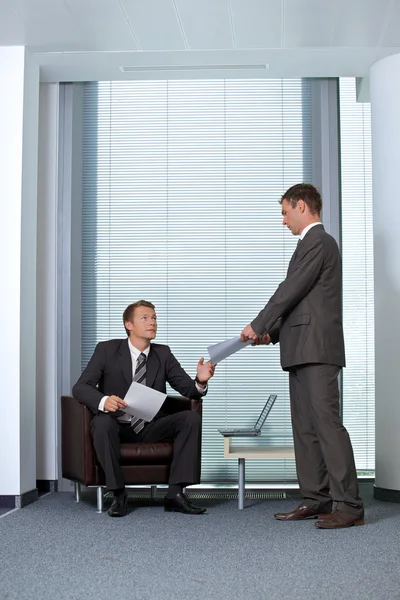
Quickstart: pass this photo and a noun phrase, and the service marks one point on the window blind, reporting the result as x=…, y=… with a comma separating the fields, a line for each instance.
x=181, y=189
x=358, y=275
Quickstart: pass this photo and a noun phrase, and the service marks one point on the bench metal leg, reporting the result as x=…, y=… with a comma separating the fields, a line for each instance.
x=153, y=492
x=77, y=491
x=99, y=499
x=241, y=488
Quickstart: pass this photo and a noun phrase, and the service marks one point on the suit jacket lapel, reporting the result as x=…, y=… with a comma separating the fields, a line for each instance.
x=126, y=361
x=153, y=365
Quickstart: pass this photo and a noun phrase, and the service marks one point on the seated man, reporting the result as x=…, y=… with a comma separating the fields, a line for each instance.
x=102, y=387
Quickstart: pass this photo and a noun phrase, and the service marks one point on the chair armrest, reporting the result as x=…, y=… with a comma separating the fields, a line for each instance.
x=77, y=451
x=174, y=404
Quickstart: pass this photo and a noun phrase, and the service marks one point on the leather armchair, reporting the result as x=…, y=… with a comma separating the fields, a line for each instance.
x=144, y=463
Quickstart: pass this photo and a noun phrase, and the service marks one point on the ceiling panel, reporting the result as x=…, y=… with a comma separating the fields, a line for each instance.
x=75, y=39
x=103, y=24
x=391, y=33
x=12, y=29
x=46, y=22
x=155, y=24
x=206, y=24
x=257, y=23
x=360, y=22
x=309, y=23
x=34, y=11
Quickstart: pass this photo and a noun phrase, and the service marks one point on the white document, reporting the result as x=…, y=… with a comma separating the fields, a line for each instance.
x=222, y=350
x=143, y=402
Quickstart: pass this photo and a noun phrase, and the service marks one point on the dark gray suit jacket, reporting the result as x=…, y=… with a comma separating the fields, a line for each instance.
x=109, y=372
x=305, y=312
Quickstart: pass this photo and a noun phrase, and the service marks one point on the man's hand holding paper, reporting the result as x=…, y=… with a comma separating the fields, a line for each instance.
x=114, y=403
x=142, y=401
x=248, y=334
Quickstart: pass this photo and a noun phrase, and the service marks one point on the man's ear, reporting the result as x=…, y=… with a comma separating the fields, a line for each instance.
x=128, y=325
x=302, y=205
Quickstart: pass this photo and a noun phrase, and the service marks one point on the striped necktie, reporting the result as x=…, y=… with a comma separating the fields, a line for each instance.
x=140, y=377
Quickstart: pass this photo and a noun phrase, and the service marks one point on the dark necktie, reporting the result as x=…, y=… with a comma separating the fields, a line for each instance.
x=140, y=377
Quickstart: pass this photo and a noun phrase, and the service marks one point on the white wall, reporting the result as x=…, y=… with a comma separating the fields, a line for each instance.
x=19, y=82
x=58, y=272
x=46, y=312
x=69, y=245
x=385, y=126
x=28, y=275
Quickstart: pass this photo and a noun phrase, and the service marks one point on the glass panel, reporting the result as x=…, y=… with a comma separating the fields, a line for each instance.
x=358, y=275
x=182, y=181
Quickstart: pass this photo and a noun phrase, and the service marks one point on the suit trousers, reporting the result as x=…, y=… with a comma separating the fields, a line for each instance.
x=324, y=456
x=182, y=428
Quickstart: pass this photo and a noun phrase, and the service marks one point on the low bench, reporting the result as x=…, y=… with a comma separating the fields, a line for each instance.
x=243, y=452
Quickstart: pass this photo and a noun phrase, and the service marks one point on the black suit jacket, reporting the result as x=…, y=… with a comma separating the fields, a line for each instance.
x=109, y=372
x=305, y=312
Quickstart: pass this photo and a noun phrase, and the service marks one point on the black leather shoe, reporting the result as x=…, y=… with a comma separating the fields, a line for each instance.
x=301, y=513
x=192, y=504
x=181, y=504
x=119, y=506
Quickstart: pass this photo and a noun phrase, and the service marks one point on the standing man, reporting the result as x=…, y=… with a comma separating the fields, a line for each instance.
x=102, y=387
x=305, y=316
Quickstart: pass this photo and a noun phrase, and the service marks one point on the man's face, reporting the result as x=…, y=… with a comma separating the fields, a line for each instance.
x=143, y=325
x=293, y=217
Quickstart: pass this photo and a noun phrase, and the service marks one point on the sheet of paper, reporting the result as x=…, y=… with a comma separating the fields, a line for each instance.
x=143, y=402
x=222, y=350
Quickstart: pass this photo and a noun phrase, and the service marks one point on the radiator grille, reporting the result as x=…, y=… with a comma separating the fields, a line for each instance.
x=208, y=495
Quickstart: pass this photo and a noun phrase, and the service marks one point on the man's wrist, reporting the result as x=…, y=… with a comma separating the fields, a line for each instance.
x=102, y=403
x=197, y=380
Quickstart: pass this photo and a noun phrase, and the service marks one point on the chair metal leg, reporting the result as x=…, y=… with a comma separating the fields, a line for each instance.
x=241, y=490
x=99, y=499
x=77, y=491
x=153, y=492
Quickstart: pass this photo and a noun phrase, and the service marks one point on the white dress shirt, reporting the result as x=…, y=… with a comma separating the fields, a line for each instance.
x=307, y=229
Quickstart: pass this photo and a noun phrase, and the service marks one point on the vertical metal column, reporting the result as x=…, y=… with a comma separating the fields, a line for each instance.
x=241, y=490
x=99, y=499
x=77, y=491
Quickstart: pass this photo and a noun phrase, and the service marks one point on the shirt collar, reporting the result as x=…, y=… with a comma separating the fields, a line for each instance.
x=307, y=229
x=135, y=352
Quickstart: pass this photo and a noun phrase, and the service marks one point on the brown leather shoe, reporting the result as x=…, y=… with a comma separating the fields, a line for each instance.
x=339, y=519
x=300, y=514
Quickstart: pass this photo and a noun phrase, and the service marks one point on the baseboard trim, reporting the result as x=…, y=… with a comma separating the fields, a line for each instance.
x=386, y=495
x=7, y=501
x=45, y=486
x=19, y=501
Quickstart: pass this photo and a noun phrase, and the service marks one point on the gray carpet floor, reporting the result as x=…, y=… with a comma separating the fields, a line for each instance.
x=55, y=548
